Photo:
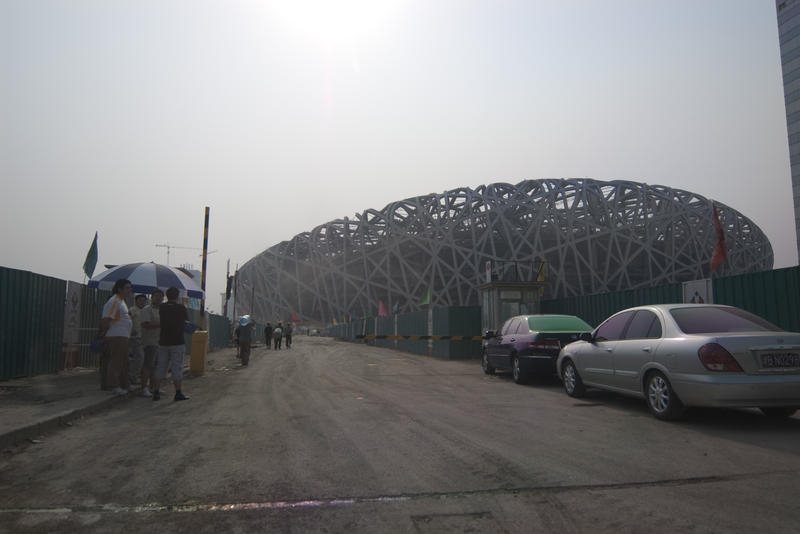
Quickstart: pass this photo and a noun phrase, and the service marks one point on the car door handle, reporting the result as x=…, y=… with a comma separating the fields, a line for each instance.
x=513, y=340
x=646, y=349
x=609, y=350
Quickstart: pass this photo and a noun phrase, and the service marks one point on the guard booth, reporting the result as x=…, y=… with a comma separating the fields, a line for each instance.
x=507, y=292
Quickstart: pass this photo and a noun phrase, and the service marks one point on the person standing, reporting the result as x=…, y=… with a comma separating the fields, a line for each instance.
x=115, y=327
x=171, y=344
x=236, y=342
x=268, y=335
x=135, y=347
x=246, y=327
x=287, y=333
x=277, y=334
x=151, y=328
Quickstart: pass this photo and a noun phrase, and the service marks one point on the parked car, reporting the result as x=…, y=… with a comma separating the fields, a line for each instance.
x=680, y=355
x=529, y=344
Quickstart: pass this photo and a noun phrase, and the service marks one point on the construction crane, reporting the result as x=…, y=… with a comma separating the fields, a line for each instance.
x=168, y=247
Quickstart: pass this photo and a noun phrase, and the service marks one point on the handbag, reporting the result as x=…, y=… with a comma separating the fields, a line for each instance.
x=97, y=344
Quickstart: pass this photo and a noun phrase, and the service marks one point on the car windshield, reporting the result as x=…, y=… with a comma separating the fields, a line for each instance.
x=558, y=323
x=705, y=320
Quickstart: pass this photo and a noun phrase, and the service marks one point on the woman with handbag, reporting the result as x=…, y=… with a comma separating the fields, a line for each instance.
x=115, y=326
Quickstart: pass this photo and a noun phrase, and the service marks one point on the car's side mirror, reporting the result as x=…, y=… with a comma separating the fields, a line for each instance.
x=489, y=334
x=586, y=336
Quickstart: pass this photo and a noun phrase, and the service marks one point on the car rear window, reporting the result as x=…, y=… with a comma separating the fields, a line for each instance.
x=558, y=323
x=706, y=320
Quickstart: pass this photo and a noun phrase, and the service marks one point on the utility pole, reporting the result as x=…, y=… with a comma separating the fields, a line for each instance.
x=235, y=290
x=203, y=270
x=227, y=289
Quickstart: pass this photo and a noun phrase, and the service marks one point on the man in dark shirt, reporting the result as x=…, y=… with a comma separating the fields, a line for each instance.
x=171, y=345
x=268, y=335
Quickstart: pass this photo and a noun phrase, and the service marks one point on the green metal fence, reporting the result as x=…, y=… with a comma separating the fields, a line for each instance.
x=423, y=332
x=384, y=326
x=219, y=332
x=413, y=324
x=774, y=295
x=32, y=325
x=595, y=308
x=464, y=321
x=32, y=310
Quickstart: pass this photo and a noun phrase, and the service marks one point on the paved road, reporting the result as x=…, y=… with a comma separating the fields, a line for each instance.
x=339, y=437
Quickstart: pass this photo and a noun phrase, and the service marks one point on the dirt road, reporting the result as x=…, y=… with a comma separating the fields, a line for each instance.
x=340, y=437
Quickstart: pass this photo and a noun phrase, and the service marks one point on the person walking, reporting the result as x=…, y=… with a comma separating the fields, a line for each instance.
x=171, y=344
x=115, y=328
x=268, y=335
x=136, y=358
x=287, y=333
x=246, y=327
x=276, y=335
x=151, y=328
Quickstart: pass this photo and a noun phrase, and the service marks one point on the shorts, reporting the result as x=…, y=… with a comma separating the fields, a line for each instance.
x=150, y=356
x=170, y=357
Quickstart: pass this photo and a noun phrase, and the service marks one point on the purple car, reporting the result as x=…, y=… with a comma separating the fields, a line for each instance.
x=528, y=345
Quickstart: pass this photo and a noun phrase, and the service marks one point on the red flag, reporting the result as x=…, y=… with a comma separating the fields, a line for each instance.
x=381, y=309
x=295, y=317
x=720, y=250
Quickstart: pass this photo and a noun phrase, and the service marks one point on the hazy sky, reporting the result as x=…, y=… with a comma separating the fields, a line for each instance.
x=129, y=117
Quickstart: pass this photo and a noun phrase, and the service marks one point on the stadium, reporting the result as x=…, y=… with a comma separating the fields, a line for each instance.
x=594, y=236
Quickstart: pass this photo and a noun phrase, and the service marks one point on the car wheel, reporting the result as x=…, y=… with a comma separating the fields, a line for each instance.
x=519, y=375
x=661, y=399
x=780, y=411
x=487, y=367
x=573, y=384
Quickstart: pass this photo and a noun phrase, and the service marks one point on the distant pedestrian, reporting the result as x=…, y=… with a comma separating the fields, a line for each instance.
x=287, y=333
x=246, y=327
x=277, y=334
x=151, y=328
x=115, y=327
x=236, y=342
x=171, y=344
x=135, y=351
x=268, y=335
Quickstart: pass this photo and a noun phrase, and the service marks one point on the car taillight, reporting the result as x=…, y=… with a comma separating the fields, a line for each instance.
x=715, y=358
x=546, y=344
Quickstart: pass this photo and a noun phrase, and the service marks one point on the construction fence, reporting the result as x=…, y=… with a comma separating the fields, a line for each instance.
x=35, y=309
x=48, y=324
x=455, y=333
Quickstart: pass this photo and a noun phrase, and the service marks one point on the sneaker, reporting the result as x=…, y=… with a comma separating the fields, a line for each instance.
x=118, y=391
x=156, y=395
x=180, y=396
x=146, y=392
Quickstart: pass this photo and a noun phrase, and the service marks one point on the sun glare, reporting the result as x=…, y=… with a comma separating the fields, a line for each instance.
x=334, y=22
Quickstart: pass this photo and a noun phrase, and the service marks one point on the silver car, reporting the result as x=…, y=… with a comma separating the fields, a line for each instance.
x=680, y=355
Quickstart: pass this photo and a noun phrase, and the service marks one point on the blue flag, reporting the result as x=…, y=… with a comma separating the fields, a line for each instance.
x=91, y=258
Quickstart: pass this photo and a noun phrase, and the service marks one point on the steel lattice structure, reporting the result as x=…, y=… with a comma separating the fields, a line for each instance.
x=595, y=237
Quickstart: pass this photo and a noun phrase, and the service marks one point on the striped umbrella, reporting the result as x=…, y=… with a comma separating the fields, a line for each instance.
x=147, y=277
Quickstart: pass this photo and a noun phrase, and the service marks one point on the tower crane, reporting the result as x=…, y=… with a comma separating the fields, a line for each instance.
x=168, y=247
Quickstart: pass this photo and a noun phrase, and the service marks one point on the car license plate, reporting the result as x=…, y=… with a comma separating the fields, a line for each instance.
x=774, y=360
